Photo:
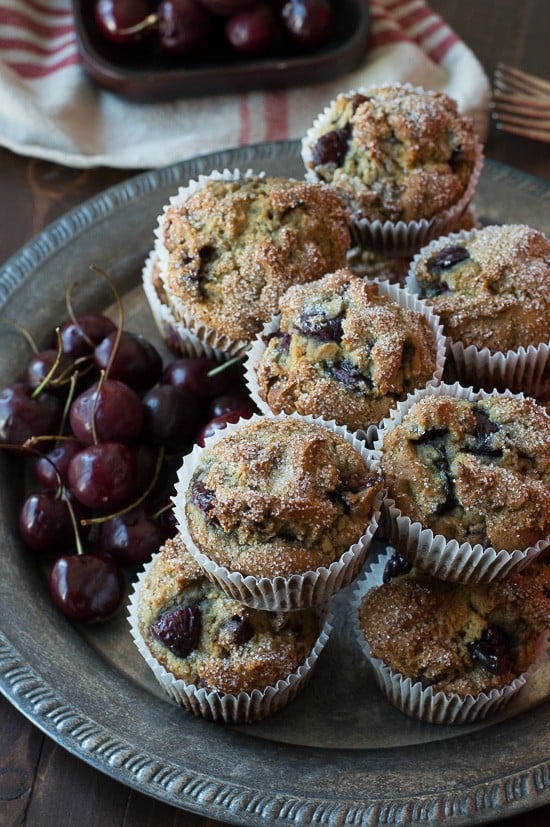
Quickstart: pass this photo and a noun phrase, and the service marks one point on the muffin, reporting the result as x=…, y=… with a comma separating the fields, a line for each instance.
x=451, y=652
x=475, y=471
x=491, y=290
x=279, y=510
x=396, y=154
x=229, y=245
x=345, y=349
x=211, y=653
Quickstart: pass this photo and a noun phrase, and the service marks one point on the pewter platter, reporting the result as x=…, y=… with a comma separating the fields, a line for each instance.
x=340, y=754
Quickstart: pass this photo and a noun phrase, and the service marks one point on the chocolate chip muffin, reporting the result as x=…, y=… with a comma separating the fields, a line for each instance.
x=346, y=349
x=476, y=471
x=205, y=638
x=229, y=246
x=278, y=497
x=394, y=152
x=490, y=287
x=458, y=638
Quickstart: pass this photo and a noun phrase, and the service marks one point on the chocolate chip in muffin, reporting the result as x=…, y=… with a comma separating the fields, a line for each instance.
x=493, y=650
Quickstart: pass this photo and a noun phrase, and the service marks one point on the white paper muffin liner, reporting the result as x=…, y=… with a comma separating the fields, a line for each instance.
x=297, y=591
x=178, y=339
x=216, y=340
x=435, y=707
x=402, y=297
x=243, y=707
x=433, y=553
x=394, y=238
x=523, y=369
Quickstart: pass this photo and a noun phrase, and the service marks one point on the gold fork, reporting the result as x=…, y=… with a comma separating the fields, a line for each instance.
x=521, y=103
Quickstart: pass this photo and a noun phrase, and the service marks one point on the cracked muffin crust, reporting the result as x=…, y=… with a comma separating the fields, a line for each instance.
x=454, y=637
x=473, y=471
x=490, y=287
x=393, y=152
x=344, y=351
x=278, y=497
x=230, y=248
x=202, y=636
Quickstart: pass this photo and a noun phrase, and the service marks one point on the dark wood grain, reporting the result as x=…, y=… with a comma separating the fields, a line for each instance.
x=42, y=785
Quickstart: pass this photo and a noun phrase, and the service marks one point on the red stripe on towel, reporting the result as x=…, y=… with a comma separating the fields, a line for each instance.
x=276, y=114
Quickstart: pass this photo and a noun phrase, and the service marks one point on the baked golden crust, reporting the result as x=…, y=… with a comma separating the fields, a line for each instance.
x=490, y=288
x=394, y=153
x=279, y=497
x=239, y=649
x=440, y=633
x=344, y=351
x=235, y=246
x=475, y=472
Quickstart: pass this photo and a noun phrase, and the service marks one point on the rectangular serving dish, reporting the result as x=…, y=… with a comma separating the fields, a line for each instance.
x=143, y=76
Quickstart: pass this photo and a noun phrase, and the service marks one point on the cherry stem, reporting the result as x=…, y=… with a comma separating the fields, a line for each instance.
x=69, y=400
x=21, y=330
x=105, y=517
x=94, y=406
x=39, y=388
x=28, y=448
x=72, y=314
x=224, y=365
x=120, y=309
x=147, y=23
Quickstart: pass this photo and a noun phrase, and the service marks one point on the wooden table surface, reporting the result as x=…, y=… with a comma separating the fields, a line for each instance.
x=41, y=784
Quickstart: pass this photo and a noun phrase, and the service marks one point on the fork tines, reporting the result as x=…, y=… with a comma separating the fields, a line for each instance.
x=521, y=103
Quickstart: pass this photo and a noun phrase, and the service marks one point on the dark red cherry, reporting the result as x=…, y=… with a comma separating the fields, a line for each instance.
x=23, y=416
x=191, y=373
x=230, y=402
x=45, y=523
x=103, y=476
x=184, y=27
x=112, y=407
x=220, y=422
x=131, y=537
x=252, y=31
x=308, y=22
x=137, y=363
x=172, y=416
x=123, y=21
x=40, y=365
x=87, y=587
x=226, y=7
x=79, y=337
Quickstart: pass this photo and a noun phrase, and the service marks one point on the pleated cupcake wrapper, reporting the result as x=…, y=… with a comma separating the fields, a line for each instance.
x=215, y=340
x=397, y=238
x=435, y=707
x=433, y=553
x=240, y=708
x=298, y=591
x=177, y=338
x=523, y=369
x=395, y=293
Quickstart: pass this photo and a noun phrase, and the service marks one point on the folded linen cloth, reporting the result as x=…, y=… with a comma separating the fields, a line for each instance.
x=51, y=109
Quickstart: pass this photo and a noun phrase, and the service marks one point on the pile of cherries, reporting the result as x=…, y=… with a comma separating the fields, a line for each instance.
x=103, y=425
x=188, y=28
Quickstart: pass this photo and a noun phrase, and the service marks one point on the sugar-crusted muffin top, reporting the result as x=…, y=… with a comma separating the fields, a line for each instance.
x=490, y=288
x=204, y=637
x=477, y=472
x=279, y=497
x=344, y=351
x=393, y=152
x=462, y=638
x=234, y=246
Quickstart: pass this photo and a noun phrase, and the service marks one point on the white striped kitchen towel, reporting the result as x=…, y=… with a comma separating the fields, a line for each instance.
x=51, y=109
